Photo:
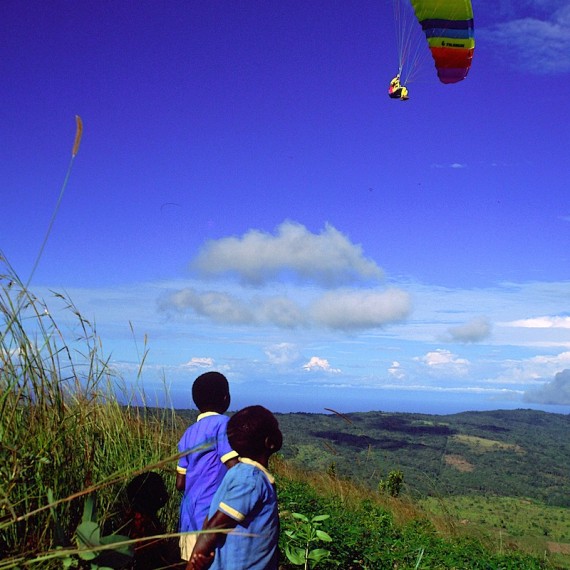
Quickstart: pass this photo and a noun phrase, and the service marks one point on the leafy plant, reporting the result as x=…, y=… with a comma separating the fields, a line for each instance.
x=393, y=484
x=305, y=534
x=92, y=545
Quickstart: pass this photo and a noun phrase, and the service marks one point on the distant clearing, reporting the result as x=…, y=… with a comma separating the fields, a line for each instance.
x=483, y=445
x=460, y=463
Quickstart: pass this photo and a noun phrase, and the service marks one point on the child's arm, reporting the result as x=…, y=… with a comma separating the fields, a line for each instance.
x=203, y=553
x=181, y=482
x=231, y=462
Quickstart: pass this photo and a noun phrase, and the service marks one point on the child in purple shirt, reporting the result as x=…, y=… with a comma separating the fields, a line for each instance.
x=200, y=471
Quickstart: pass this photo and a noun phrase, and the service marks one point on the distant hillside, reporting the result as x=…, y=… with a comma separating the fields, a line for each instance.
x=522, y=453
x=511, y=453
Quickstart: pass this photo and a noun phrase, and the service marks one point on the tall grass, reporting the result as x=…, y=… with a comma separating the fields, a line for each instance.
x=63, y=434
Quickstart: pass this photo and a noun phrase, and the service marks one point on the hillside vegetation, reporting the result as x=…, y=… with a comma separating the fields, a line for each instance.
x=516, y=453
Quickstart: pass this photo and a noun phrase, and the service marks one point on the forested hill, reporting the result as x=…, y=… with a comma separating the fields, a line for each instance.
x=515, y=453
x=522, y=453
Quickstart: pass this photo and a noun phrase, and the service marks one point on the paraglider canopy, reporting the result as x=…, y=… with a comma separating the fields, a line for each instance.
x=448, y=26
x=449, y=30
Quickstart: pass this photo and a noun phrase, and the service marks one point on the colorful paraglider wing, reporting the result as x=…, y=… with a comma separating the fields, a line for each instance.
x=448, y=25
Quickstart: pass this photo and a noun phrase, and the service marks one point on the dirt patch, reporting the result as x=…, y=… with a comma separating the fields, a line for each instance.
x=558, y=547
x=459, y=462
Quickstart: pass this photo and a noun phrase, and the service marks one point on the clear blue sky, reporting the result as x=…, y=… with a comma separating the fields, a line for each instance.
x=248, y=197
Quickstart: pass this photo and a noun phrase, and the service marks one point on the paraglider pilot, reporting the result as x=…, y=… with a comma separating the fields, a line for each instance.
x=396, y=90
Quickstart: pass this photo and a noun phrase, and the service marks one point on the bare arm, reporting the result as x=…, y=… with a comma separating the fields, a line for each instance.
x=231, y=462
x=203, y=553
x=180, y=482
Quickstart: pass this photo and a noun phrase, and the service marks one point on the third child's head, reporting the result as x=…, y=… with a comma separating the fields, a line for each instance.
x=254, y=432
x=211, y=392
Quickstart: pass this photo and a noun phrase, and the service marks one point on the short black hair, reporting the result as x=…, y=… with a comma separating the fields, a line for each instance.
x=211, y=392
x=249, y=429
x=147, y=492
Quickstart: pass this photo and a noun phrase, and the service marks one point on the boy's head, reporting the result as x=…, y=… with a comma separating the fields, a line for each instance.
x=254, y=432
x=147, y=493
x=211, y=392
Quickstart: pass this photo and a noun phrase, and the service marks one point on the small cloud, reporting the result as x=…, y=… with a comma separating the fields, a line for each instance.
x=328, y=258
x=196, y=362
x=475, y=330
x=554, y=392
x=545, y=322
x=282, y=353
x=396, y=371
x=444, y=362
x=452, y=165
x=320, y=364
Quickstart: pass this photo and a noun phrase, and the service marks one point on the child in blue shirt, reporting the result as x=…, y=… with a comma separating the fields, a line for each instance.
x=200, y=471
x=246, y=501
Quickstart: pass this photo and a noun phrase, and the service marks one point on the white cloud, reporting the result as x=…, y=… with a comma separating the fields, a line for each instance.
x=443, y=362
x=196, y=362
x=539, y=44
x=396, y=371
x=328, y=258
x=352, y=310
x=455, y=165
x=281, y=311
x=341, y=310
x=534, y=369
x=282, y=353
x=541, y=323
x=556, y=391
x=475, y=330
x=320, y=364
x=218, y=306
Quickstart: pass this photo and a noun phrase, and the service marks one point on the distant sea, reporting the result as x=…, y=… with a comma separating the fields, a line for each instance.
x=316, y=400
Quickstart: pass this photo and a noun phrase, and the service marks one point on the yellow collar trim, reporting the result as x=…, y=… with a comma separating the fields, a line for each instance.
x=259, y=466
x=205, y=415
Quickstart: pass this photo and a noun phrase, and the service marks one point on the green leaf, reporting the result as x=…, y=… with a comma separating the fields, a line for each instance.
x=300, y=517
x=87, y=555
x=295, y=555
x=116, y=538
x=323, y=536
x=89, y=509
x=88, y=535
x=319, y=518
x=318, y=554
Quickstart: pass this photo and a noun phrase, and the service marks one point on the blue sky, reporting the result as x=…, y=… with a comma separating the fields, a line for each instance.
x=248, y=198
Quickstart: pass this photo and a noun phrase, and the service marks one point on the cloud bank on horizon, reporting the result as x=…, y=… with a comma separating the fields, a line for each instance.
x=275, y=318
x=290, y=284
